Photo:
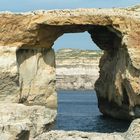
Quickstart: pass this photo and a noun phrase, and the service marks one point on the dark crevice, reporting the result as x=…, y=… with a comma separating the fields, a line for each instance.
x=125, y=97
x=105, y=38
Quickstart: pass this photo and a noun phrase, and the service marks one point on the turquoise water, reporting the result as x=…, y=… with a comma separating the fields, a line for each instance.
x=78, y=110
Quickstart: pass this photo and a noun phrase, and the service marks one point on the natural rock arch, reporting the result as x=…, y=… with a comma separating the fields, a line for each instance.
x=27, y=40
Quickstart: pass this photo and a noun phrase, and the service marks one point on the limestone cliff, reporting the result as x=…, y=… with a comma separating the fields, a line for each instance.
x=77, y=69
x=27, y=63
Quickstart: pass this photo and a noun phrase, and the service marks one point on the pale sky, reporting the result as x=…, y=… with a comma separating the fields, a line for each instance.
x=29, y=5
x=75, y=40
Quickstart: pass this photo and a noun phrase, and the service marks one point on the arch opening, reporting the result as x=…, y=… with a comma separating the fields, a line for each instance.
x=107, y=40
x=77, y=62
x=105, y=37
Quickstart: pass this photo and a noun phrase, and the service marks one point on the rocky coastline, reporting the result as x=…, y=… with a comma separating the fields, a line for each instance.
x=28, y=98
x=77, y=69
x=133, y=133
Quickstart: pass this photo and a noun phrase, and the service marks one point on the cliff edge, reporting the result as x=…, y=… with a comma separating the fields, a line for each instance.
x=77, y=69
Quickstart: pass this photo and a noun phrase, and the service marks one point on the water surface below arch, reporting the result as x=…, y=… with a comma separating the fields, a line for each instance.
x=78, y=110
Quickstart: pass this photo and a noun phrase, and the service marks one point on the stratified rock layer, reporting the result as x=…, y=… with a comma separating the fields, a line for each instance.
x=27, y=73
x=77, y=69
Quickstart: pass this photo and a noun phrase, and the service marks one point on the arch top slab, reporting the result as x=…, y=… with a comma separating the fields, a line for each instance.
x=26, y=29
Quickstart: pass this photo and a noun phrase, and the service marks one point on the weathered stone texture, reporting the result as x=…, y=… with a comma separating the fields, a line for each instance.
x=133, y=133
x=18, y=121
x=27, y=73
x=9, y=83
x=36, y=76
x=75, y=135
x=26, y=76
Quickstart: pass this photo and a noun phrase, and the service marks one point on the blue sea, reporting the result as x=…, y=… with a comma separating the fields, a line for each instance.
x=78, y=110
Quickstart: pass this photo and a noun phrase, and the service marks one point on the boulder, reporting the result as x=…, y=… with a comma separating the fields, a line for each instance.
x=20, y=122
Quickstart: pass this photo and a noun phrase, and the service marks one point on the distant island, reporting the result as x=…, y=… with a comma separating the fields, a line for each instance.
x=77, y=69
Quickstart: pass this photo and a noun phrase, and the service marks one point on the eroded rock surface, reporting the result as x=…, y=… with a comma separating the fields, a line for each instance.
x=18, y=121
x=75, y=135
x=27, y=67
x=133, y=133
x=9, y=87
x=36, y=69
x=23, y=81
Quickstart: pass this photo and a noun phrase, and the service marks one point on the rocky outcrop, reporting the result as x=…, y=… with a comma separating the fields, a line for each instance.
x=9, y=87
x=35, y=87
x=77, y=69
x=23, y=81
x=27, y=73
x=133, y=133
x=75, y=135
x=19, y=122
x=22, y=76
